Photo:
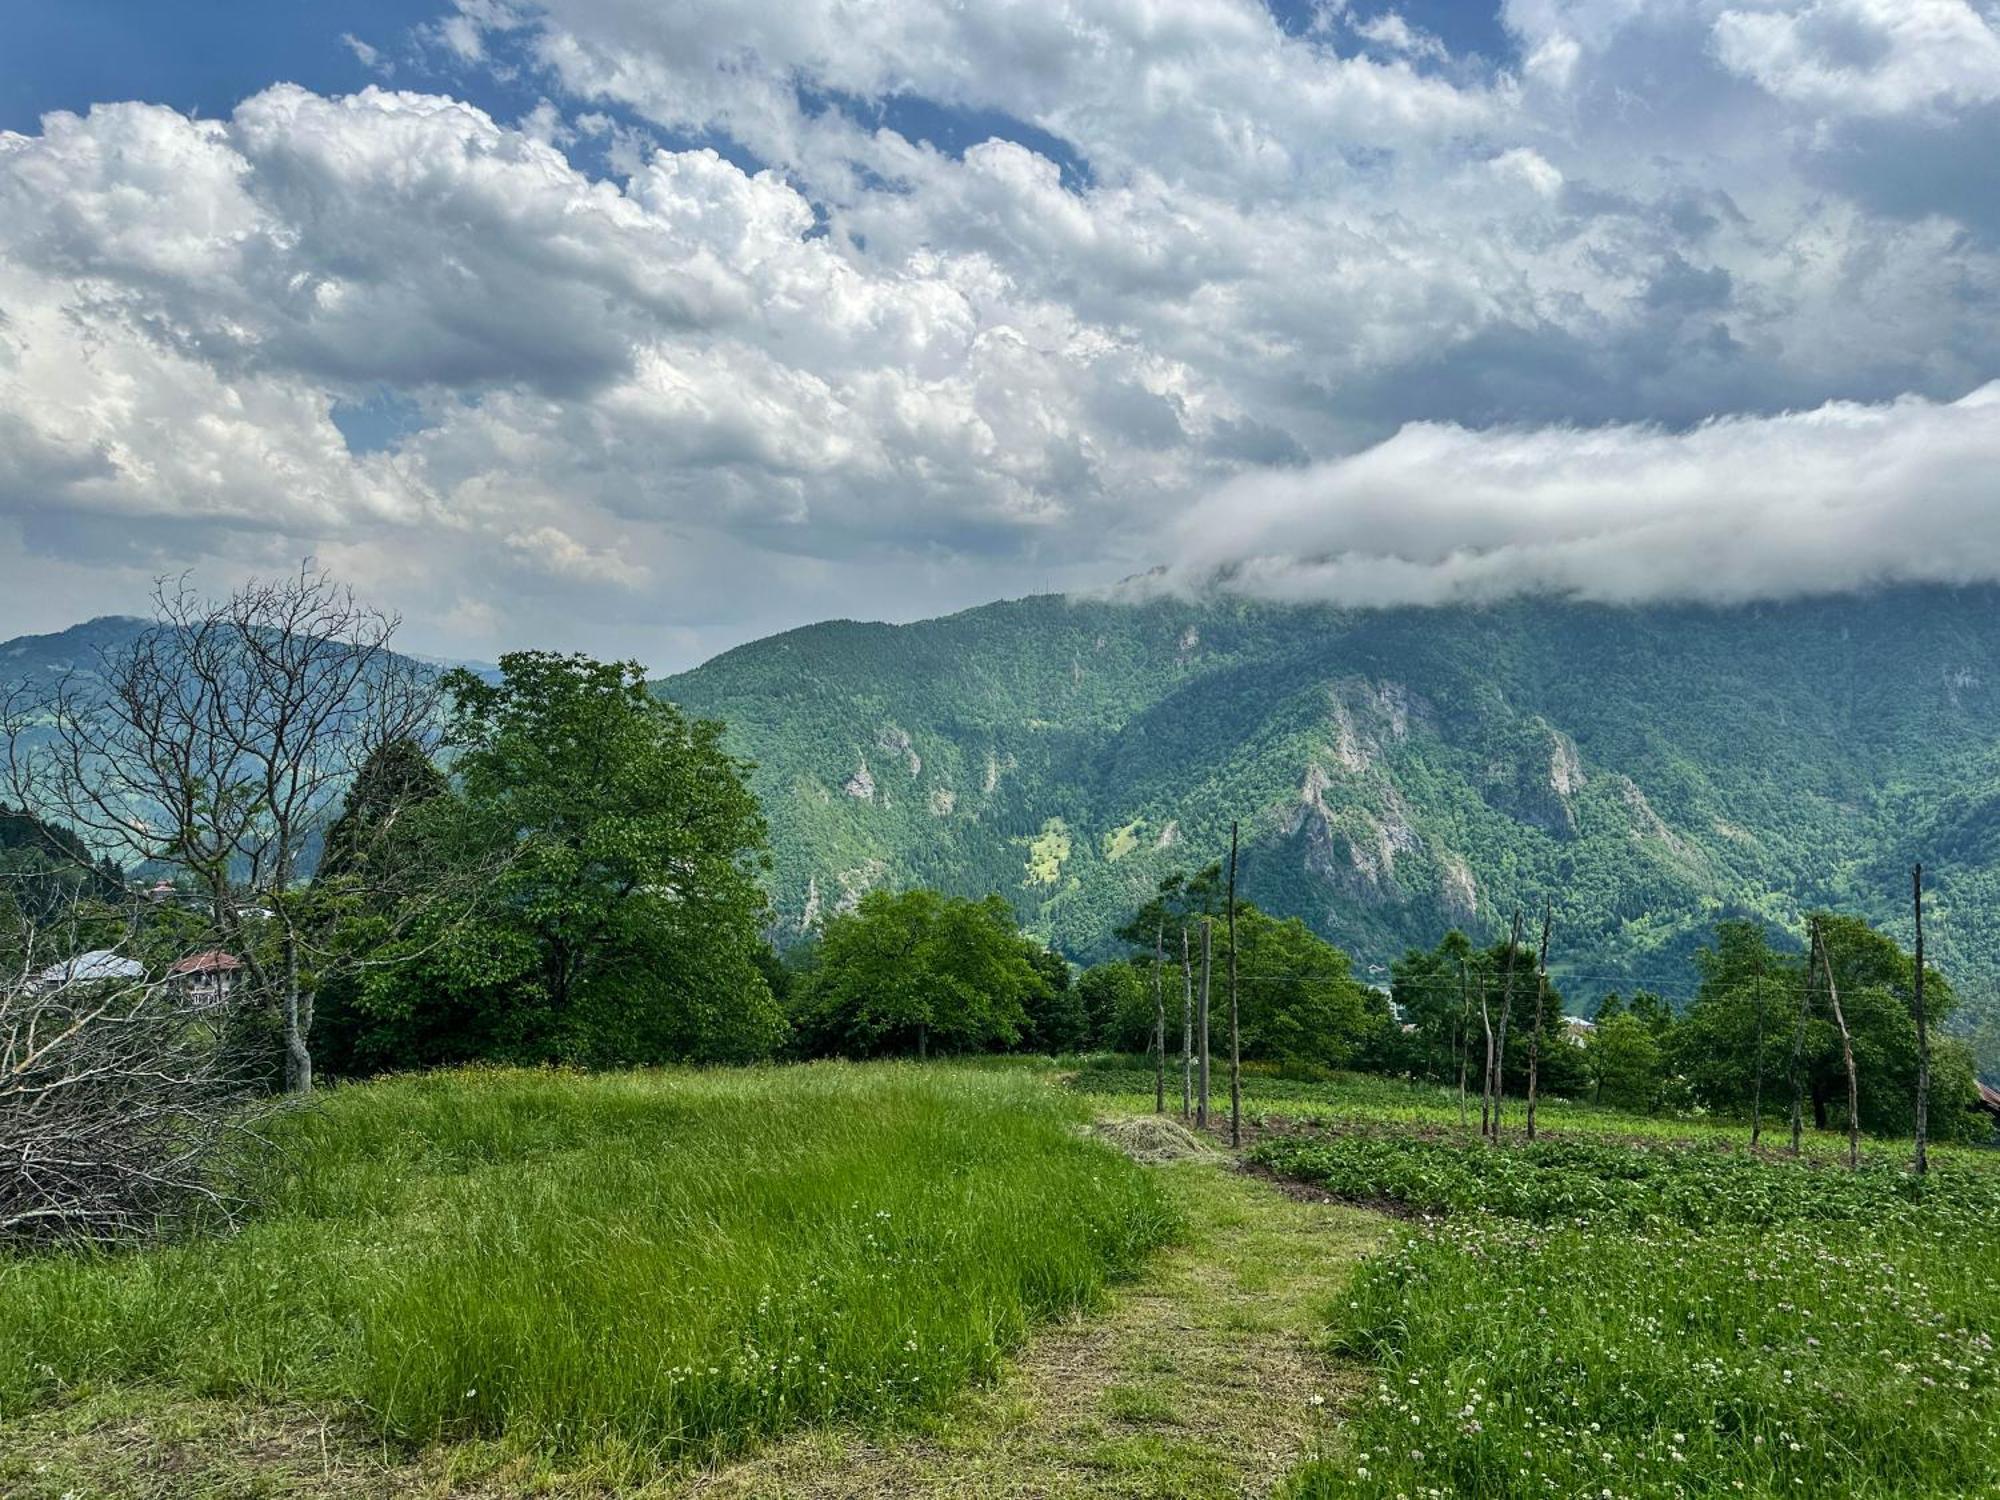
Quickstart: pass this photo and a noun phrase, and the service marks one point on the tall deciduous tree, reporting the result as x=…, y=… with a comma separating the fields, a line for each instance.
x=625, y=922
x=916, y=972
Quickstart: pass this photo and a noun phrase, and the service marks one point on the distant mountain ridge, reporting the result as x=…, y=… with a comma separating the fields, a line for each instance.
x=1397, y=771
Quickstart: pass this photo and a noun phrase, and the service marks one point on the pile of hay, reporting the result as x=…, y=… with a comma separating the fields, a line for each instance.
x=1153, y=1139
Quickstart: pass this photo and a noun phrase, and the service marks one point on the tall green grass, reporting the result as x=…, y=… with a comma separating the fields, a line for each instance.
x=647, y=1265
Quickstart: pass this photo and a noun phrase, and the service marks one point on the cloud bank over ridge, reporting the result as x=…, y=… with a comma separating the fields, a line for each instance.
x=1841, y=497
x=791, y=308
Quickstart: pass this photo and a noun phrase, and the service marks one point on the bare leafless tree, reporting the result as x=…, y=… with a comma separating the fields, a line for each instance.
x=219, y=744
x=121, y=1114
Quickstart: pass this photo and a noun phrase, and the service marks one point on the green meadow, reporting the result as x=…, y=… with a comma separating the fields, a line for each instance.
x=629, y=1270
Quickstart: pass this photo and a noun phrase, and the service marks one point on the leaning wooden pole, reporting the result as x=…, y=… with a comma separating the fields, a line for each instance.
x=1923, y=1027
x=1506, y=1015
x=1159, y=1019
x=1541, y=1002
x=1187, y=1028
x=1235, y=1028
x=1201, y=1025
x=1847, y=1057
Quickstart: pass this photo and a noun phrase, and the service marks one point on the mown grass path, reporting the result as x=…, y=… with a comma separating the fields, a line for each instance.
x=1196, y=1383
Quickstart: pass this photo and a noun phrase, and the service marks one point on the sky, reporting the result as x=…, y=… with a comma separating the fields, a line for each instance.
x=647, y=327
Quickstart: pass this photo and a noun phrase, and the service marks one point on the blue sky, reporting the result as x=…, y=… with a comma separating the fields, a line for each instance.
x=651, y=328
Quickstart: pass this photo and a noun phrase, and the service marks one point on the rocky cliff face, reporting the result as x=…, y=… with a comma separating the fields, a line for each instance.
x=1394, y=772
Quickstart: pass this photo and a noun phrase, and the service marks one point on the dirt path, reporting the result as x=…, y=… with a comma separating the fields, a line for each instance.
x=1197, y=1383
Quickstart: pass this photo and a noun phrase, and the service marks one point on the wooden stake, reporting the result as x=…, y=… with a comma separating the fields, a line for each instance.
x=1235, y=1031
x=1847, y=1056
x=1486, y=1078
x=1541, y=1000
x=1923, y=1028
x=1757, y=1086
x=1464, y=1039
x=1159, y=1019
x=1201, y=1024
x=1799, y=1037
x=1187, y=1029
x=1506, y=1015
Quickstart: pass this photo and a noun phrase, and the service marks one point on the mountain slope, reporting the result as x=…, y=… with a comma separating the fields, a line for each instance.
x=1396, y=771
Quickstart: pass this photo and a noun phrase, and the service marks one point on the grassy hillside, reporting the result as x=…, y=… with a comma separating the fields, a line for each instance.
x=1396, y=771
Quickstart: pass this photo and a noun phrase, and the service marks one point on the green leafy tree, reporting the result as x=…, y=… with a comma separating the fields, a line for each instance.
x=918, y=972
x=1057, y=1021
x=1626, y=1064
x=1118, y=1000
x=624, y=925
x=1715, y=1045
x=1300, y=1002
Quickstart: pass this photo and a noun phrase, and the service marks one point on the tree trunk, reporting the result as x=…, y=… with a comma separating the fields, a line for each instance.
x=298, y=1022
x=1535, y=1036
x=1235, y=1032
x=1923, y=1028
x=1201, y=1025
x=923, y=1040
x=1159, y=1020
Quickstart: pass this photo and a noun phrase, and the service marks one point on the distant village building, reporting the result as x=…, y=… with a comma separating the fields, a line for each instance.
x=205, y=980
x=99, y=966
x=1577, y=1031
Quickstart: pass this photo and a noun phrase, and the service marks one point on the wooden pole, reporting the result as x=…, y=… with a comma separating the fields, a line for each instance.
x=1464, y=1039
x=1757, y=1085
x=1187, y=1028
x=1923, y=1028
x=1486, y=1078
x=1159, y=1019
x=1235, y=1028
x=1506, y=1015
x=1201, y=1097
x=1799, y=1036
x=1541, y=1001
x=1847, y=1057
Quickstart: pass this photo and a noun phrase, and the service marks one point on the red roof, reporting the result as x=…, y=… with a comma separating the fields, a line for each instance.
x=214, y=961
x=1989, y=1096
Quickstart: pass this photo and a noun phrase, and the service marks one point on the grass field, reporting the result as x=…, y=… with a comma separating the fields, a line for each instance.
x=625, y=1271
x=821, y=1282
x=1577, y=1318
x=1348, y=1100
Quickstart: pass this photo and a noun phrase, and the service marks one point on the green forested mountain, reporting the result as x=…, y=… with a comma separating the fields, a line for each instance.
x=1397, y=771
